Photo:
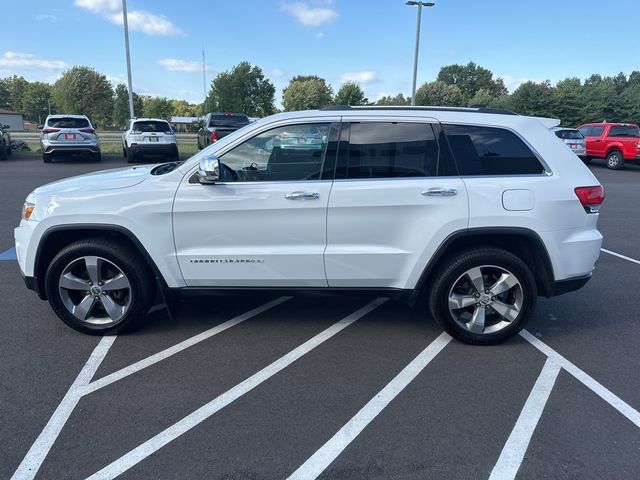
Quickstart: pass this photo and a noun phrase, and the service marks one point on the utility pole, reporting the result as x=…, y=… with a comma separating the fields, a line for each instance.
x=415, y=58
x=126, y=46
x=204, y=74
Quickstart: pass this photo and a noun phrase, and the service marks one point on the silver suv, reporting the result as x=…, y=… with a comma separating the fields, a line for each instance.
x=72, y=135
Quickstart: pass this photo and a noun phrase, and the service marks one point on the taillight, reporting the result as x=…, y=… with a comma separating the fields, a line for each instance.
x=637, y=145
x=87, y=130
x=214, y=136
x=50, y=130
x=590, y=197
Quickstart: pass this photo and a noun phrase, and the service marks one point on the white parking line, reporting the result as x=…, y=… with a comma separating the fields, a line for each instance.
x=155, y=443
x=599, y=389
x=513, y=452
x=40, y=448
x=320, y=460
x=166, y=353
x=624, y=257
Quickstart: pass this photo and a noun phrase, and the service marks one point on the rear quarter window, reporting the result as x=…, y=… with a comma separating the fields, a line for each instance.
x=490, y=151
x=624, y=131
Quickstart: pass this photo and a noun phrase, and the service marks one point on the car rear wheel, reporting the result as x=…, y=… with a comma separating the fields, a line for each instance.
x=98, y=286
x=130, y=156
x=615, y=160
x=46, y=157
x=587, y=160
x=97, y=156
x=3, y=153
x=483, y=296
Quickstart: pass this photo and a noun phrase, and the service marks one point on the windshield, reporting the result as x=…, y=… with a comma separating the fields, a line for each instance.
x=151, y=126
x=569, y=134
x=68, y=122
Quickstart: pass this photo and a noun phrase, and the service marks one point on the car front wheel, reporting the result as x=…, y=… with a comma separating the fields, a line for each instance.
x=483, y=296
x=99, y=286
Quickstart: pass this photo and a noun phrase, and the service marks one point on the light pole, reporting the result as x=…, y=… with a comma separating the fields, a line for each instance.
x=126, y=47
x=415, y=59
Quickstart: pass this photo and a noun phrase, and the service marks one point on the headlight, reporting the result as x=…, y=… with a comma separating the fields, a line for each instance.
x=27, y=210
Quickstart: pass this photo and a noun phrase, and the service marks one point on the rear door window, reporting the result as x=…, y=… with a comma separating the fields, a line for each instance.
x=596, y=131
x=624, y=131
x=490, y=151
x=391, y=150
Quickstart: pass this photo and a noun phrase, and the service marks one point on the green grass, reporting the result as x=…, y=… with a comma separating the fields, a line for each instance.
x=112, y=149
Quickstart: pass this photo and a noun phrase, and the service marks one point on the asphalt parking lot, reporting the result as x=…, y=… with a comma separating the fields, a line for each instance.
x=323, y=386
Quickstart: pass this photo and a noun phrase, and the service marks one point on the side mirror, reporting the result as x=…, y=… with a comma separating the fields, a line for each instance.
x=209, y=170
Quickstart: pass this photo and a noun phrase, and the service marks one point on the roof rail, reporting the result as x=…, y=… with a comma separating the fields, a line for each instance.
x=472, y=109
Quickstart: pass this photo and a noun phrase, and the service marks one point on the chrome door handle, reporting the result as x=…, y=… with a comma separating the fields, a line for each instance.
x=440, y=192
x=302, y=196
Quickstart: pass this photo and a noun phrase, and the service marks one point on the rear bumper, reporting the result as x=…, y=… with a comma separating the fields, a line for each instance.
x=154, y=149
x=71, y=149
x=561, y=287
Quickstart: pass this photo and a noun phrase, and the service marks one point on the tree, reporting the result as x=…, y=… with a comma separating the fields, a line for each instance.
x=15, y=89
x=82, y=90
x=306, y=92
x=35, y=101
x=350, y=93
x=182, y=108
x=470, y=78
x=242, y=89
x=482, y=97
x=439, y=93
x=157, y=107
x=398, y=99
x=4, y=93
x=567, y=99
x=532, y=98
x=600, y=100
x=121, y=105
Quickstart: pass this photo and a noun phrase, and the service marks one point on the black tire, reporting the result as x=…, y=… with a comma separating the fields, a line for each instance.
x=124, y=152
x=97, y=156
x=9, y=151
x=130, y=156
x=615, y=160
x=452, y=272
x=138, y=297
x=198, y=142
x=586, y=160
x=46, y=157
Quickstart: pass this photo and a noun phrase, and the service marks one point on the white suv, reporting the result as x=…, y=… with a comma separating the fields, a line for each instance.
x=482, y=210
x=149, y=136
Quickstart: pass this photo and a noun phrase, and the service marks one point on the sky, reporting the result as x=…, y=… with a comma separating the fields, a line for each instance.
x=371, y=42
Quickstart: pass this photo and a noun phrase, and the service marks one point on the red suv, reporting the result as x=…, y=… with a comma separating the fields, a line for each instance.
x=617, y=142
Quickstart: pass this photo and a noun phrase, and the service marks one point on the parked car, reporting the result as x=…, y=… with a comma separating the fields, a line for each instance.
x=5, y=142
x=479, y=209
x=71, y=135
x=149, y=136
x=616, y=142
x=218, y=125
x=574, y=140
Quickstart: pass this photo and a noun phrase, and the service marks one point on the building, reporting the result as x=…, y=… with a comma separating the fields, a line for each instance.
x=13, y=119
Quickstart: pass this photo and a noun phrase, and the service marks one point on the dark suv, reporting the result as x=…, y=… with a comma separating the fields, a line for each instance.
x=219, y=124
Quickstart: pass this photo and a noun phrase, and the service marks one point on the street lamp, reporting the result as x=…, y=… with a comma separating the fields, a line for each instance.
x=126, y=46
x=415, y=60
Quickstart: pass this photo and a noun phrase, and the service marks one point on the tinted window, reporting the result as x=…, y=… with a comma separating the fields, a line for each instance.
x=294, y=152
x=490, y=151
x=624, y=131
x=596, y=131
x=151, y=126
x=387, y=150
x=569, y=134
x=68, y=122
x=584, y=131
x=228, y=120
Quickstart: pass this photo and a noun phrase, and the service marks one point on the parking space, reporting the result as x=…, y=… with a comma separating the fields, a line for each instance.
x=266, y=386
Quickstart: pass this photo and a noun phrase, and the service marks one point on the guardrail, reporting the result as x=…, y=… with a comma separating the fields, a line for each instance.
x=105, y=137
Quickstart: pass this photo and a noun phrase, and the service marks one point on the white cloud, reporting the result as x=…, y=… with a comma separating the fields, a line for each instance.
x=46, y=17
x=310, y=16
x=138, y=20
x=513, y=83
x=276, y=72
x=320, y=35
x=31, y=61
x=189, y=66
x=368, y=76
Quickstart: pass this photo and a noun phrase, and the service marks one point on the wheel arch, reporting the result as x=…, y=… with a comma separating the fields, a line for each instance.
x=56, y=238
x=526, y=244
